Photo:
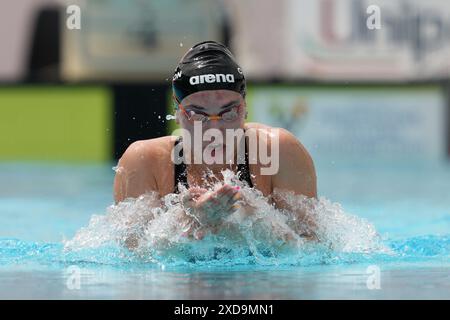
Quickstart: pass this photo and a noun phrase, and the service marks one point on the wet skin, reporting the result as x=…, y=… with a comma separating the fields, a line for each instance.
x=146, y=166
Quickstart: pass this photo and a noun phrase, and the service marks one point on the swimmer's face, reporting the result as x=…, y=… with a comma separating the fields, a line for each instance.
x=212, y=103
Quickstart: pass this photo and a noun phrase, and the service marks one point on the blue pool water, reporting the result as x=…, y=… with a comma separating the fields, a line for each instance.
x=57, y=232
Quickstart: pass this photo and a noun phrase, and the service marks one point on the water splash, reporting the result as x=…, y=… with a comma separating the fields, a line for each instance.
x=151, y=227
x=34, y=255
x=269, y=237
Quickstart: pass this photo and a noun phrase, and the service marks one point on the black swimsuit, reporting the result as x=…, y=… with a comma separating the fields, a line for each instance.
x=181, y=173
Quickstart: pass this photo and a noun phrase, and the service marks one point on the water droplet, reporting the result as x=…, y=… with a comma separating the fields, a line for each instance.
x=181, y=44
x=335, y=228
x=170, y=117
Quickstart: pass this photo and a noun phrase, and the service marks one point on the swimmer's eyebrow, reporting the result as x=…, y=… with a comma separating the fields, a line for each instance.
x=193, y=106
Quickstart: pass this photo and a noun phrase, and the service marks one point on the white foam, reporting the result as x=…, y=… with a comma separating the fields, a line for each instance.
x=265, y=234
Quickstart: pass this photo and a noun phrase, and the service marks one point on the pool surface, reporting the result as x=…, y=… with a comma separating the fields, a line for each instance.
x=43, y=206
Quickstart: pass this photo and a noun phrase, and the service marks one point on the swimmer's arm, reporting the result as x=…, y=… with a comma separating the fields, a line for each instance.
x=296, y=174
x=134, y=178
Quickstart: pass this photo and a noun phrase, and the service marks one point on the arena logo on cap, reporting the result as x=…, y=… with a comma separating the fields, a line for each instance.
x=211, y=78
x=177, y=75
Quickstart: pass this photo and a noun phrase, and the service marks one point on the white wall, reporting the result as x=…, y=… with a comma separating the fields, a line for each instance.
x=16, y=22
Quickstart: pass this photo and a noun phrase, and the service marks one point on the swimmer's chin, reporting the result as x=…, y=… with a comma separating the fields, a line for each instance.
x=213, y=144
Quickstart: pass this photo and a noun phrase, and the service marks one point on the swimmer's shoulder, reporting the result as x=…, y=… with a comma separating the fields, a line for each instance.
x=286, y=137
x=256, y=126
x=157, y=150
x=296, y=166
x=293, y=155
x=145, y=166
x=289, y=144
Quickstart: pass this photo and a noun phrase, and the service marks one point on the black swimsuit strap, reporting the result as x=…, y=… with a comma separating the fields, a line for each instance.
x=181, y=170
x=244, y=168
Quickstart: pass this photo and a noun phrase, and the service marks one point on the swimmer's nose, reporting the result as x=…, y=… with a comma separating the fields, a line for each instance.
x=215, y=118
x=214, y=124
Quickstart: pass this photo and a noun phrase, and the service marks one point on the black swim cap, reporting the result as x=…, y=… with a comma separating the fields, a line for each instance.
x=208, y=65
